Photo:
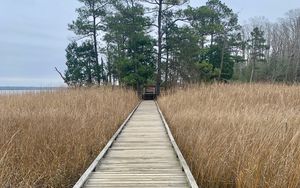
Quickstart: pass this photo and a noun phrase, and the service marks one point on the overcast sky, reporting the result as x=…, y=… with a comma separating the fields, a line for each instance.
x=34, y=35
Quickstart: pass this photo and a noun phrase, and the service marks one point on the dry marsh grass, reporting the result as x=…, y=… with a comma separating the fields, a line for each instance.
x=244, y=136
x=49, y=139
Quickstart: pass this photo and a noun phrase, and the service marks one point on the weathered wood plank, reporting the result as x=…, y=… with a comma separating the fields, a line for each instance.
x=183, y=163
x=141, y=155
x=80, y=183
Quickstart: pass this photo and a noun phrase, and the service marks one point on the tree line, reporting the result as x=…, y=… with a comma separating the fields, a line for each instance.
x=167, y=42
x=278, y=59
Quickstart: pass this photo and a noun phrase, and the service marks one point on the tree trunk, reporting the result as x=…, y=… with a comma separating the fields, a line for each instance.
x=252, y=72
x=222, y=60
x=287, y=72
x=297, y=49
x=102, y=72
x=159, y=45
x=108, y=65
x=89, y=74
x=167, y=61
x=167, y=69
x=296, y=70
x=96, y=49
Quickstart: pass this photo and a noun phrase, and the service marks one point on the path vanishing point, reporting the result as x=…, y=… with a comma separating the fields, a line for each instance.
x=142, y=153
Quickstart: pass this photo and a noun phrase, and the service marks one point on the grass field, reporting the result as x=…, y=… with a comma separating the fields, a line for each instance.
x=244, y=136
x=49, y=139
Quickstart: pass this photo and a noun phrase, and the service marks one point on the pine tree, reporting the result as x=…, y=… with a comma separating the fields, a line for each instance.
x=88, y=25
x=132, y=47
x=80, y=64
x=160, y=7
x=257, y=45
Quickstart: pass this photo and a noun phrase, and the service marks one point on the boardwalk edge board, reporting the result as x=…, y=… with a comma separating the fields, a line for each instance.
x=185, y=167
x=80, y=183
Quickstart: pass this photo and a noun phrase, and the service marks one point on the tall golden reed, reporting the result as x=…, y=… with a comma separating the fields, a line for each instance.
x=49, y=139
x=244, y=136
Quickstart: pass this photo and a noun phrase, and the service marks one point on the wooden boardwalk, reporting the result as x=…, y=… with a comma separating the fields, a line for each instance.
x=142, y=153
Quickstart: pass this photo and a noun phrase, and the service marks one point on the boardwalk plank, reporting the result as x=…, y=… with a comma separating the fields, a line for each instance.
x=142, y=155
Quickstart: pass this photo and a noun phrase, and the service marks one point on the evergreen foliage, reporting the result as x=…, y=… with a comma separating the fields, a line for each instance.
x=136, y=43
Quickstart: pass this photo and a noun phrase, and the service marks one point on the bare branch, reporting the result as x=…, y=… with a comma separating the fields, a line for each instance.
x=61, y=75
x=173, y=22
x=153, y=25
x=152, y=3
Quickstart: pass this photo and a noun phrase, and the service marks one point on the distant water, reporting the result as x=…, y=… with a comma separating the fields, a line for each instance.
x=20, y=90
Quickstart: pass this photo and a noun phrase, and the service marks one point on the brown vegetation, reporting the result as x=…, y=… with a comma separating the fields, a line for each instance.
x=49, y=139
x=238, y=135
